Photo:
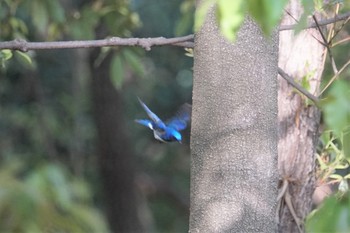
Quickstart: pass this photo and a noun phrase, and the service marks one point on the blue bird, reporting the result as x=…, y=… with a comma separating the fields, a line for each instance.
x=170, y=130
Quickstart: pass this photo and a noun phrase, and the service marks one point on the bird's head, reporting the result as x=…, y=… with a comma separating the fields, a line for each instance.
x=177, y=136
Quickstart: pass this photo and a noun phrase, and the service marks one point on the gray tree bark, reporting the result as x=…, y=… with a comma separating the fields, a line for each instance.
x=299, y=55
x=234, y=131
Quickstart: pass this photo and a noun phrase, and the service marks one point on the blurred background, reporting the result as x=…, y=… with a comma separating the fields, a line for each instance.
x=72, y=159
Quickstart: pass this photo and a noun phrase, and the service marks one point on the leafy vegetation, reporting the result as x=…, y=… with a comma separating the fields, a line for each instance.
x=46, y=199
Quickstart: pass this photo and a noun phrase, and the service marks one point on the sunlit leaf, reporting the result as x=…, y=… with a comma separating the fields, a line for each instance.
x=267, y=13
x=336, y=177
x=230, y=15
x=185, y=23
x=201, y=13
x=5, y=54
x=24, y=59
x=189, y=52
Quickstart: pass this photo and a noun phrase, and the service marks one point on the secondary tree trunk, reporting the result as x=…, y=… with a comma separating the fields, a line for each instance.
x=234, y=131
x=299, y=56
x=114, y=155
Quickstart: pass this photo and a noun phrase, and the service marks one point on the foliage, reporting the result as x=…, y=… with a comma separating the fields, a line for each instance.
x=231, y=14
x=332, y=216
x=333, y=157
x=46, y=113
x=333, y=162
x=336, y=108
x=45, y=199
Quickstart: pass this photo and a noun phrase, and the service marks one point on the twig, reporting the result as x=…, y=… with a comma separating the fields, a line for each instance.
x=320, y=23
x=336, y=31
x=145, y=43
x=341, y=41
x=334, y=77
x=326, y=44
x=297, y=86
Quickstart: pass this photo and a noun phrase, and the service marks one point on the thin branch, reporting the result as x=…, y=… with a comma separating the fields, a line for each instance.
x=337, y=30
x=334, y=77
x=145, y=43
x=341, y=41
x=320, y=23
x=326, y=44
x=297, y=86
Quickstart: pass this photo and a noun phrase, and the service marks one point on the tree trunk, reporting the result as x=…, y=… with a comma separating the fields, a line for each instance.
x=114, y=156
x=299, y=56
x=234, y=131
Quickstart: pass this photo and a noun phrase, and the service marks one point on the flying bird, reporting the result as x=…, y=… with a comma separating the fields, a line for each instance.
x=168, y=131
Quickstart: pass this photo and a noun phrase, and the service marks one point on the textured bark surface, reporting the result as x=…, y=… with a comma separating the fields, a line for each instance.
x=114, y=155
x=299, y=56
x=234, y=131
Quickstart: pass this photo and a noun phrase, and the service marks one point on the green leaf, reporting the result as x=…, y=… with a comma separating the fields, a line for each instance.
x=201, y=13
x=230, y=15
x=24, y=59
x=332, y=216
x=267, y=13
x=56, y=11
x=183, y=24
x=336, y=177
x=336, y=107
x=117, y=71
x=83, y=25
x=133, y=60
x=40, y=16
x=5, y=54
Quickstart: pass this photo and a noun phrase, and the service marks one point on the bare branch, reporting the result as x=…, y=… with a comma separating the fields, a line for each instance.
x=335, y=77
x=297, y=86
x=145, y=43
x=320, y=23
x=326, y=44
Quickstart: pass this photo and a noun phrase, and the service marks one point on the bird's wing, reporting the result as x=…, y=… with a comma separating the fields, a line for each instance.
x=181, y=118
x=146, y=123
x=158, y=122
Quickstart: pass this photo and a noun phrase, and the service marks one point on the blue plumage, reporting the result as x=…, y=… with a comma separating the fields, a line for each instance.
x=169, y=131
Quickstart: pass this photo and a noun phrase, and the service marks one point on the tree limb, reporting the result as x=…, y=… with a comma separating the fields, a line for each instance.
x=297, y=86
x=320, y=23
x=146, y=43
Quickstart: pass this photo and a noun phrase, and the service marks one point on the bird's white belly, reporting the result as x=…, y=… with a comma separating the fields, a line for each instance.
x=156, y=136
